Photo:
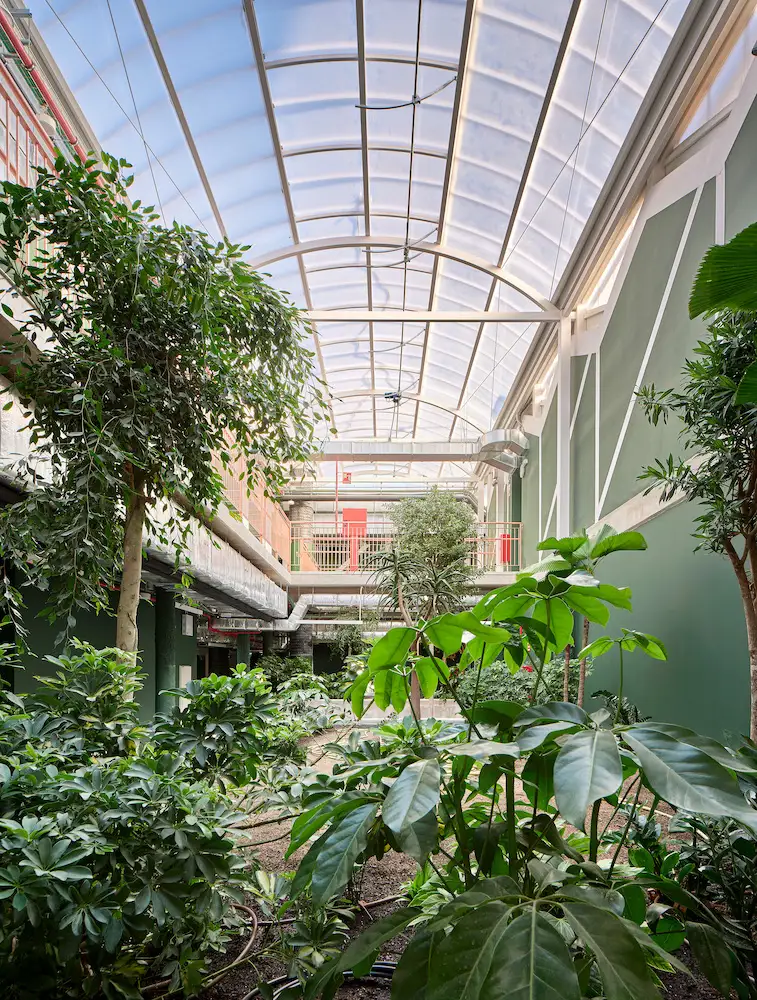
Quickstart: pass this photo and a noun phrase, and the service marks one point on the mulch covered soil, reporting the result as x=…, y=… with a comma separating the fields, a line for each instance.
x=381, y=879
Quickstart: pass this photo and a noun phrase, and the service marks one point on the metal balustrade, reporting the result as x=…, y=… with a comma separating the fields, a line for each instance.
x=330, y=546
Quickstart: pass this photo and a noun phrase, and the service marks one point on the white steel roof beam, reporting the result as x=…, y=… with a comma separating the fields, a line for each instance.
x=438, y=249
x=265, y=88
x=465, y=44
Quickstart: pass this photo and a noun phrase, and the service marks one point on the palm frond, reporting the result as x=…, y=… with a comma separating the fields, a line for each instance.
x=727, y=277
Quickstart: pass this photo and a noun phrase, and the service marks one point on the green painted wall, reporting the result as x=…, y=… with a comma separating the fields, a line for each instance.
x=100, y=630
x=689, y=600
x=677, y=337
x=549, y=469
x=582, y=445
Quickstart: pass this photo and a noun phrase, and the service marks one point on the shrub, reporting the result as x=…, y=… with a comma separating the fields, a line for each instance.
x=497, y=683
x=116, y=856
x=279, y=669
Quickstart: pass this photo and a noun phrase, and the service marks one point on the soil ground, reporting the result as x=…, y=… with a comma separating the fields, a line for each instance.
x=380, y=879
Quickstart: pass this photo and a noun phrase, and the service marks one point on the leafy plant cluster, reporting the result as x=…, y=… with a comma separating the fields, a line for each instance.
x=118, y=861
x=279, y=669
x=498, y=683
x=523, y=888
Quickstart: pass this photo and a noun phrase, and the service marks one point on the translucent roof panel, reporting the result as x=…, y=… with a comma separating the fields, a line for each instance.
x=419, y=156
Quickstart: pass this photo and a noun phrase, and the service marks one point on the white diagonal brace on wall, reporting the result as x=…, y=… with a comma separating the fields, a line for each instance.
x=648, y=352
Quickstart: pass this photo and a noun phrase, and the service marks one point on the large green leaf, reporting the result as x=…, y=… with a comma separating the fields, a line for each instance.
x=540, y=570
x=711, y=747
x=560, y=620
x=339, y=851
x=727, y=276
x=428, y=675
x=590, y=607
x=463, y=959
x=535, y=736
x=388, y=689
x=565, y=547
x=531, y=962
x=471, y=623
x=445, y=634
x=392, y=648
x=413, y=970
x=618, y=597
x=484, y=749
x=747, y=390
x=621, y=961
x=413, y=797
x=497, y=713
x=357, y=692
x=622, y=541
x=511, y=607
x=558, y=710
x=687, y=777
x=587, y=768
x=712, y=955
x=311, y=821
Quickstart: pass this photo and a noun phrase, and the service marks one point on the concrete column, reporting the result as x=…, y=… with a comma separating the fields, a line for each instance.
x=243, y=648
x=166, y=675
x=301, y=512
x=269, y=644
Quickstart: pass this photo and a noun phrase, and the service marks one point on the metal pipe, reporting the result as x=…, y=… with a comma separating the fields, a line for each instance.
x=9, y=29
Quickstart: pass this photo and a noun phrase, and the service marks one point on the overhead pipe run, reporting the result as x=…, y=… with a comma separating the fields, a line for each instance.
x=501, y=449
x=297, y=617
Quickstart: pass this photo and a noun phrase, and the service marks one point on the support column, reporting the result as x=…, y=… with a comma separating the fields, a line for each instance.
x=269, y=646
x=165, y=649
x=243, y=648
x=500, y=519
x=301, y=513
x=563, y=427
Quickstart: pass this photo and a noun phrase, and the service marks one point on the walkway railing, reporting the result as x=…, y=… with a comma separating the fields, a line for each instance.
x=265, y=518
x=327, y=546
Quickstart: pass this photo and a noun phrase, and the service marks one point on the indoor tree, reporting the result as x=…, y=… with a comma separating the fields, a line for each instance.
x=719, y=435
x=148, y=356
x=427, y=571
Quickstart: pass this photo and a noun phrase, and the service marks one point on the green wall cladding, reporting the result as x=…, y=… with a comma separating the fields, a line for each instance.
x=100, y=630
x=632, y=319
x=741, y=178
x=689, y=600
x=582, y=447
x=676, y=338
x=549, y=469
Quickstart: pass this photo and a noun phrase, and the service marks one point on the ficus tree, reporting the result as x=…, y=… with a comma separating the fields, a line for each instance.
x=718, y=432
x=149, y=357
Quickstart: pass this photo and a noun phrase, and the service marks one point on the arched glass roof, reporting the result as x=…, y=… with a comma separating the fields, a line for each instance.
x=472, y=137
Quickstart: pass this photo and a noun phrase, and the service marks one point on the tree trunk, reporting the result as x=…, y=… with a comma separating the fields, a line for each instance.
x=582, y=667
x=127, y=636
x=566, y=675
x=750, y=615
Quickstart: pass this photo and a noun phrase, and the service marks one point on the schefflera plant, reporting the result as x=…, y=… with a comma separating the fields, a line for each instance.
x=541, y=915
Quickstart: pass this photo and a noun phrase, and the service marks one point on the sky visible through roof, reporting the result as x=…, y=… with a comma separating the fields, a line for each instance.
x=292, y=125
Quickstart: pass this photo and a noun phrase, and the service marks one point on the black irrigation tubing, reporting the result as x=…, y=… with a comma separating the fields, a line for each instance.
x=379, y=970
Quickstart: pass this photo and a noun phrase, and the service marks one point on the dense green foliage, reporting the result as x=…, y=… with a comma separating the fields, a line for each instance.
x=149, y=356
x=118, y=859
x=511, y=898
x=279, y=669
x=498, y=683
